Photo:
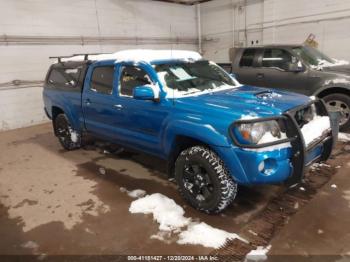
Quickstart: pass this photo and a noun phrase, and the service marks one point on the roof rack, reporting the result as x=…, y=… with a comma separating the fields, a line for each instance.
x=59, y=57
x=86, y=56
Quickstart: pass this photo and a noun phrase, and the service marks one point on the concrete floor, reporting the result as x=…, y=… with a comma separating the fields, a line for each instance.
x=322, y=227
x=55, y=202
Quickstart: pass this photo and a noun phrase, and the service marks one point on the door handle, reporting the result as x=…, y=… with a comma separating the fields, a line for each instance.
x=87, y=102
x=260, y=75
x=118, y=107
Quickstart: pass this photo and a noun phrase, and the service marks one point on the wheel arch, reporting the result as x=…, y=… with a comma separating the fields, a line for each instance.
x=180, y=143
x=55, y=111
x=69, y=111
x=333, y=90
x=180, y=134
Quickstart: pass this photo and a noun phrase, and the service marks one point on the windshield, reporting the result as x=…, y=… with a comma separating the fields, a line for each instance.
x=312, y=56
x=185, y=78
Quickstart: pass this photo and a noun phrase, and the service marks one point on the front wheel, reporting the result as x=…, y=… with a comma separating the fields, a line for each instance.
x=68, y=138
x=340, y=103
x=203, y=180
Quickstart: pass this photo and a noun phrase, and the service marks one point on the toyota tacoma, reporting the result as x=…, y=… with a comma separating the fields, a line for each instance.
x=213, y=132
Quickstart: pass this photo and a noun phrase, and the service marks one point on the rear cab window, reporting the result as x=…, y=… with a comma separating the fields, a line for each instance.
x=247, y=59
x=64, y=77
x=102, y=80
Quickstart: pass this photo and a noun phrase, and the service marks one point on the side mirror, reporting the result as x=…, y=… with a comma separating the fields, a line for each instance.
x=143, y=93
x=296, y=67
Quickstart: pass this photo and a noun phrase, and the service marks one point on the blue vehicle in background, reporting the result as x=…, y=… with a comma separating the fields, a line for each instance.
x=214, y=133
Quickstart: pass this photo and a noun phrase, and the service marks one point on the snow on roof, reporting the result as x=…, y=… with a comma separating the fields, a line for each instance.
x=145, y=55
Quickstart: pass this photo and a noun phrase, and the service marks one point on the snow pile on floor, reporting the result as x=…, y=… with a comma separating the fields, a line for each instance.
x=344, y=137
x=30, y=245
x=164, y=236
x=205, y=235
x=165, y=211
x=318, y=166
x=315, y=129
x=171, y=219
x=137, y=193
x=258, y=254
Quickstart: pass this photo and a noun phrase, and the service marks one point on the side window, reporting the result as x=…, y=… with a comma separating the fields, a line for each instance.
x=132, y=77
x=64, y=77
x=247, y=57
x=102, y=80
x=276, y=58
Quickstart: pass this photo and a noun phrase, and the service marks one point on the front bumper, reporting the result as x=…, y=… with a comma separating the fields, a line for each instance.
x=288, y=165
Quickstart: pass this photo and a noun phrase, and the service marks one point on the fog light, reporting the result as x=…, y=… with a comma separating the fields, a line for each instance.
x=268, y=166
x=261, y=166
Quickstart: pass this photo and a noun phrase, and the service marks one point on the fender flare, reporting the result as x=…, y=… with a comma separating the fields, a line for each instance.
x=71, y=115
x=198, y=131
x=204, y=133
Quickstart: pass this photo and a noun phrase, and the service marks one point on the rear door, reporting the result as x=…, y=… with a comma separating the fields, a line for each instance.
x=101, y=114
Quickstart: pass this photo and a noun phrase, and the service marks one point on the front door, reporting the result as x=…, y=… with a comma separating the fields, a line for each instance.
x=141, y=120
x=274, y=72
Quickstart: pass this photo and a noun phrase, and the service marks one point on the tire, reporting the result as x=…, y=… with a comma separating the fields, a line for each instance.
x=340, y=102
x=69, y=139
x=203, y=180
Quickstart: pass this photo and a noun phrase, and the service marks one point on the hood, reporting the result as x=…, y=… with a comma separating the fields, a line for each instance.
x=341, y=69
x=244, y=101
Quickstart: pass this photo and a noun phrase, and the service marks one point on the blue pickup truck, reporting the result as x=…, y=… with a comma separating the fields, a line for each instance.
x=213, y=132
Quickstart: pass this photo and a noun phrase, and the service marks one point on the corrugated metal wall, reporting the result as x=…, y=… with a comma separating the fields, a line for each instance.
x=242, y=23
x=33, y=30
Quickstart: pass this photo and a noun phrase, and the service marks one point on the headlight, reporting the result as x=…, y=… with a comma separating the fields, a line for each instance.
x=310, y=113
x=260, y=132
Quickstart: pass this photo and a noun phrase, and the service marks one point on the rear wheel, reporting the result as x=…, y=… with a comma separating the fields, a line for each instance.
x=68, y=138
x=203, y=180
x=340, y=103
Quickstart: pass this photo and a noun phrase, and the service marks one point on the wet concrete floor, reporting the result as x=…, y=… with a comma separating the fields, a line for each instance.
x=54, y=202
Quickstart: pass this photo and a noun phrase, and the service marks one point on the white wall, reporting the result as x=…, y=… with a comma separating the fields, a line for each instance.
x=217, y=29
x=111, y=25
x=226, y=23
x=329, y=20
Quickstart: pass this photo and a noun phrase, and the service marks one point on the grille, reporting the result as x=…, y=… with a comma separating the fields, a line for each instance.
x=305, y=115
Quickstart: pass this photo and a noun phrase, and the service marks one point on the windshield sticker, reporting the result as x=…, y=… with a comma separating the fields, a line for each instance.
x=180, y=73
